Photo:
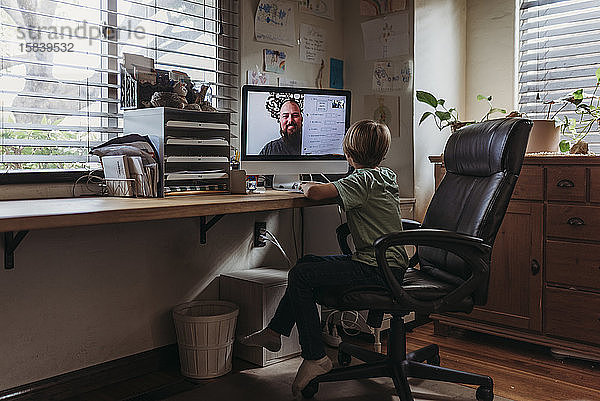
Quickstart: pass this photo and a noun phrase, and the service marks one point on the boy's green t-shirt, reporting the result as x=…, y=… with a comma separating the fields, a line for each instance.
x=370, y=198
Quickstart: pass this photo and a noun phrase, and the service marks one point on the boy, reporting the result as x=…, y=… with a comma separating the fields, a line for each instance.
x=370, y=198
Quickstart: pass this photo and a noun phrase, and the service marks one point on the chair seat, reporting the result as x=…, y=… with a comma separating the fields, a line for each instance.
x=417, y=284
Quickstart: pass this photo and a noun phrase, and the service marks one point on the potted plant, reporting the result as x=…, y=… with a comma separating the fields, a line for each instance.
x=587, y=110
x=448, y=117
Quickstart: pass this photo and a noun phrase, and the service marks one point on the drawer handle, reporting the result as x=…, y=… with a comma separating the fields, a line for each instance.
x=575, y=221
x=535, y=267
x=565, y=184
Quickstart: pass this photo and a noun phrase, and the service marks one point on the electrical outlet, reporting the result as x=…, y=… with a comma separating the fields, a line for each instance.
x=259, y=229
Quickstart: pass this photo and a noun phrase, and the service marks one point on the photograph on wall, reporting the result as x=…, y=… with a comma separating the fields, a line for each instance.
x=274, y=22
x=320, y=8
x=274, y=61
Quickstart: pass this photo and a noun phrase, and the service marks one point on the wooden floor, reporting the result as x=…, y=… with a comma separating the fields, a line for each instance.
x=521, y=371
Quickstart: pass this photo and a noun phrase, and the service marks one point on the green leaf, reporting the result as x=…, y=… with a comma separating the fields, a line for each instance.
x=598, y=74
x=578, y=96
x=441, y=102
x=564, y=146
x=424, y=116
x=428, y=98
x=481, y=97
x=443, y=115
x=495, y=110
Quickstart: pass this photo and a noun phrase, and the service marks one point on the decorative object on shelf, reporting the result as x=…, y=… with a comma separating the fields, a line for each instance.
x=167, y=99
x=544, y=136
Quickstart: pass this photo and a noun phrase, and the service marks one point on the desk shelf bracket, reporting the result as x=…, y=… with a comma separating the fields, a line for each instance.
x=11, y=242
x=205, y=226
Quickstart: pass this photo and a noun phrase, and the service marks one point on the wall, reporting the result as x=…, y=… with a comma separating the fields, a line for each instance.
x=252, y=54
x=440, y=68
x=462, y=48
x=359, y=73
x=490, y=67
x=82, y=296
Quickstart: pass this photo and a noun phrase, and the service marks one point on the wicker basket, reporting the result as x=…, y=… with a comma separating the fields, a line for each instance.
x=205, y=336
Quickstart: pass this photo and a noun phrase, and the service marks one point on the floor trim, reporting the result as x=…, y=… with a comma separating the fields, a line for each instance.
x=94, y=377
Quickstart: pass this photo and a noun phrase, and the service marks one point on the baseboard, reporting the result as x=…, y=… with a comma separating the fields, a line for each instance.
x=94, y=377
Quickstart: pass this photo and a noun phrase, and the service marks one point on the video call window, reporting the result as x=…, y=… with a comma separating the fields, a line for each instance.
x=282, y=124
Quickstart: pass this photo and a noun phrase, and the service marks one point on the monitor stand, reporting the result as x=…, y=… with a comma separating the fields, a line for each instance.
x=286, y=182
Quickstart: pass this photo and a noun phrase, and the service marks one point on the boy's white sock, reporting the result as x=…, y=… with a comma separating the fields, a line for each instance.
x=266, y=338
x=308, y=370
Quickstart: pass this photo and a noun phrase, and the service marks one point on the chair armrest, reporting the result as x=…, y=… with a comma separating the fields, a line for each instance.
x=342, y=233
x=408, y=224
x=471, y=249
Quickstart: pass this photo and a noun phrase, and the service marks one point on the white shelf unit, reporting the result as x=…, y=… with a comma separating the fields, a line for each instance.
x=194, y=147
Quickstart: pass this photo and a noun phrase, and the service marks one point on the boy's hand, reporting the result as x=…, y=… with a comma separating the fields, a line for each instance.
x=318, y=191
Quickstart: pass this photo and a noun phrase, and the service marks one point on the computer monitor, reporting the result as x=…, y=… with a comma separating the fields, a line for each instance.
x=291, y=131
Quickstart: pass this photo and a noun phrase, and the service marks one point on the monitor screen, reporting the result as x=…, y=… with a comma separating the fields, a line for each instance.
x=293, y=124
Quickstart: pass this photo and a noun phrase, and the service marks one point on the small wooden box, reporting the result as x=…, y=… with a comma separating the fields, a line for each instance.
x=257, y=293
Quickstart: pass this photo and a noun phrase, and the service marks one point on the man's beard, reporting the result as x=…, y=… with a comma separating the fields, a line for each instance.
x=293, y=137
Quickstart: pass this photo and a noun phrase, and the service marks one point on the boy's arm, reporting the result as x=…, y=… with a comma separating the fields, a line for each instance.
x=318, y=191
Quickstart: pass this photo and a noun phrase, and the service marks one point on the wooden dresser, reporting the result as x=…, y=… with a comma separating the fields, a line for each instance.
x=545, y=273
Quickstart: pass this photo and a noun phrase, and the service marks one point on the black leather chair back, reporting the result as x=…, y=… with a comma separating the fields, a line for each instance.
x=482, y=163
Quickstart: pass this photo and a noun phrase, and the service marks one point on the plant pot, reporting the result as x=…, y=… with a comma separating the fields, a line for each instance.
x=544, y=137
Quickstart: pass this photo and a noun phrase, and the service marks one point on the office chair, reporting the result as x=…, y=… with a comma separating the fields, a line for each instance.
x=453, y=252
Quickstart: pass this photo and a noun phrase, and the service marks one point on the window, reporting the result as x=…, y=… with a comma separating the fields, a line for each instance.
x=59, y=69
x=559, y=43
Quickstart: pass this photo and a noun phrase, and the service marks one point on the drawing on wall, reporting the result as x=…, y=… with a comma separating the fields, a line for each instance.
x=274, y=22
x=256, y=77
x=320, y=8
x=384, y=109
x=274, y=61
x=386, y=76
x=386, y=37
x=379, y=7
x=312, y=44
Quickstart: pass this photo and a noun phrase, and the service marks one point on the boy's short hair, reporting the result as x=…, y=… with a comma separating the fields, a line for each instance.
x=367, y=142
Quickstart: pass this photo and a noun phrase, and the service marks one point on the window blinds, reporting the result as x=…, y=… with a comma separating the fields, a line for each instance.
x=59, y=69
x=559, y=53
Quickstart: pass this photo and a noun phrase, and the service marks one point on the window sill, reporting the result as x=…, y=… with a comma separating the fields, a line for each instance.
x=41, y=185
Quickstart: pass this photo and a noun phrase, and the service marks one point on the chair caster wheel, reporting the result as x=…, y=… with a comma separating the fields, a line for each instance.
x=434, y=360
x=344, y=358
x=484, y=394
x=310, y=390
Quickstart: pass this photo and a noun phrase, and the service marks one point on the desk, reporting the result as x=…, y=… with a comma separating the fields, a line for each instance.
x=24, y=215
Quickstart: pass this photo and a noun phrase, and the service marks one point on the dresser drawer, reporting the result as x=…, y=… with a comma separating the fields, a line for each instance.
x=578, y=222
x=595, y=184
x=572, y=314
x=530, y=184
x=566, y=183
x=573, y=264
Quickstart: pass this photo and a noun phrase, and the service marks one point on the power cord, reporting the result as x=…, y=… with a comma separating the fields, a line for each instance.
x=91, y=179
x=272, y=239
x=330, y=334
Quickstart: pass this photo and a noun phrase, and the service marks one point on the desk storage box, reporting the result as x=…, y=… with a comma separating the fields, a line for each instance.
x=257, y=293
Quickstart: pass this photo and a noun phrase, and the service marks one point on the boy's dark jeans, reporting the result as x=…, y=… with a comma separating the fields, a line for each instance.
x=298, y=304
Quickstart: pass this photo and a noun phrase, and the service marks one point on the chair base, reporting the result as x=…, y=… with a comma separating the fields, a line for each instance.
x=399, y=366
